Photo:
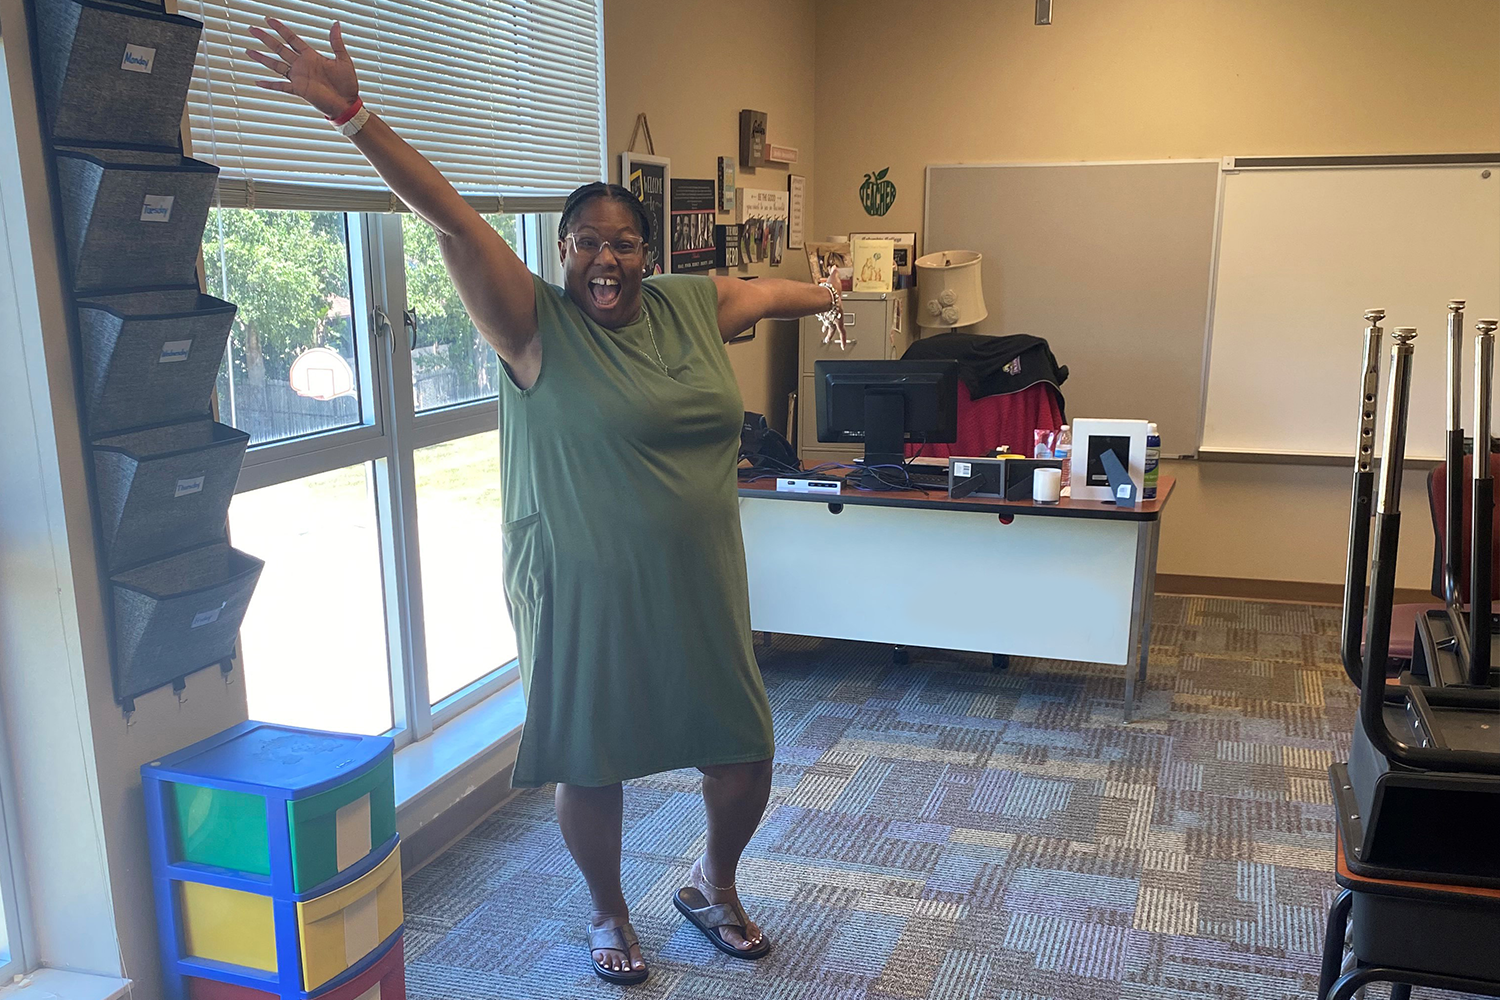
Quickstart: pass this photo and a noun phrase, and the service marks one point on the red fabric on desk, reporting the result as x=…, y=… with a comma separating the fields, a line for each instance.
x=986, y=424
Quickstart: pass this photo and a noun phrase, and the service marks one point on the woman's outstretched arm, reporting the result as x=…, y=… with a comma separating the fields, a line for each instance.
x=742, y=304
x=492, y=281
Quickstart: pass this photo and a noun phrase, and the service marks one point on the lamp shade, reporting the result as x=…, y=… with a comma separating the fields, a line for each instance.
x=950, y=292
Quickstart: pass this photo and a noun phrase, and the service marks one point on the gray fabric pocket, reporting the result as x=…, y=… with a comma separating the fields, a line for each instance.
x=115, y=72
x=132, y=218
x=165, y=489
x=151, y=357
x=178, y=615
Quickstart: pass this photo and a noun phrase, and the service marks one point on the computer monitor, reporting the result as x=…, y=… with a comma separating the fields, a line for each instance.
x=886, y=403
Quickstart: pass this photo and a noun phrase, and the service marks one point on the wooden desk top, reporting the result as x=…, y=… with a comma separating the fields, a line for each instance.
x=935, y=499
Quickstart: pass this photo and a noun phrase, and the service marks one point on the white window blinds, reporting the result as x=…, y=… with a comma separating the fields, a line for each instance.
x=506, y=98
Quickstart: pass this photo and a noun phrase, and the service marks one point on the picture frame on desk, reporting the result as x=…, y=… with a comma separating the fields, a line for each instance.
x=1126, y=438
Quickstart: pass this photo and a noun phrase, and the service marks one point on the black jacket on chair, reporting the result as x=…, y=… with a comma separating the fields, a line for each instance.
x=993, y=366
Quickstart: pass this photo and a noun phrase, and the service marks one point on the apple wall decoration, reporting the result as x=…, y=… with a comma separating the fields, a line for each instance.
x=877, y=194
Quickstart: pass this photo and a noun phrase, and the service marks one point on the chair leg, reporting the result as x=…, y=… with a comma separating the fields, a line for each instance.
x=1351, y=983
x=1333, y=942
x=1363, y=976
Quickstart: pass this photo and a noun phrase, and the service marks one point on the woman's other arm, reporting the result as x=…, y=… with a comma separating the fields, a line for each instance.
x=492, y=281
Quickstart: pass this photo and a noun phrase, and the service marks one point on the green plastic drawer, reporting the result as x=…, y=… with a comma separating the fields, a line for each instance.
x=329, y=832
x=340, y=827
x=220, y=828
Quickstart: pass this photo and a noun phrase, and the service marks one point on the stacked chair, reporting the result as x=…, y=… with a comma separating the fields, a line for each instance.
x=115, y=76
x=1418, y=802
x=277, y=867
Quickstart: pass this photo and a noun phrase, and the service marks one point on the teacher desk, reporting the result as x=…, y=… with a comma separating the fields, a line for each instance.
x=1066, y=581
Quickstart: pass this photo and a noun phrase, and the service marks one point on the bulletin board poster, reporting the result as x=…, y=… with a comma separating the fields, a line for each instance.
x=693, y=206
x=649, y=178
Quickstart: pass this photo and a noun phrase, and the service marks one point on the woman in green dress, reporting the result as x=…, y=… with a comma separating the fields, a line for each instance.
x=624, y=566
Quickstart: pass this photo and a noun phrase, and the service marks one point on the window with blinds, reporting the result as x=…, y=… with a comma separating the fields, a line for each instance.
x=506, y=98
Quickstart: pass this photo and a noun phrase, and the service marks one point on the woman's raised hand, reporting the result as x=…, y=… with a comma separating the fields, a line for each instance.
x=329, y=85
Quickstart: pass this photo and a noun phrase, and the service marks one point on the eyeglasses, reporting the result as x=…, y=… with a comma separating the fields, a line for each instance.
x=626, y=249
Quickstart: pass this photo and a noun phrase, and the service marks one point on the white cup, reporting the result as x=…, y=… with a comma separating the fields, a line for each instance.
x=1046, y=485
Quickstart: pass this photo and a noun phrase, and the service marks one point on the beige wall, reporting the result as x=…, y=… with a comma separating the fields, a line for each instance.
x=691, y=65
x=976, y=81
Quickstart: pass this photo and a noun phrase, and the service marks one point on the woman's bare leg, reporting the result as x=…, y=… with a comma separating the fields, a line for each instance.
x=591, y=819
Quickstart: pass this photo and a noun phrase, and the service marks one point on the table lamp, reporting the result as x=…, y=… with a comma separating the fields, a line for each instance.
x=950, y=292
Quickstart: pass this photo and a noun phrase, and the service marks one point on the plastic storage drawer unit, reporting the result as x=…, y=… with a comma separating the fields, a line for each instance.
x=276, y=864
x=179, y=614
x=115, y=72
x=151, y=357
x=132, y=218
x=165, y=489
x=385, y=980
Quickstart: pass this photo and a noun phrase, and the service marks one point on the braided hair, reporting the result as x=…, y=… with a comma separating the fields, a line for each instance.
x=614, y=192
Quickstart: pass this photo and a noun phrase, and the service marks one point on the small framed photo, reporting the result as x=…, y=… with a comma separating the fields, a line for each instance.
x=1091, y=439
x=823, y=259
x=905, y=254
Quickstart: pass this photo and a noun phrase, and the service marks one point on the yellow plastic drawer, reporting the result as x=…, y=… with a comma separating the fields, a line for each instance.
x=340, y=928
x=226, y=925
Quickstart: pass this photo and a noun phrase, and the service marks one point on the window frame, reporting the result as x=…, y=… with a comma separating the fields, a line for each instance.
x=13, y=904
x=388, y=438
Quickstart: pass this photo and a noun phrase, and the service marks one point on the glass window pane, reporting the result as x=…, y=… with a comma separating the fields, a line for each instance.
x=315, y=636
x=450, y=361
x=4, y=905
x=458, y=523
x=289, y=274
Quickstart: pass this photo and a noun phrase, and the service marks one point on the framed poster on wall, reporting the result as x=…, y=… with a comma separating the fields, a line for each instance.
x=796, y=190
x=692, y=225
x=649, y=178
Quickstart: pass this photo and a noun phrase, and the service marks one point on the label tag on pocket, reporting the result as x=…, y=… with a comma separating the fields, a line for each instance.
x=187, y=487
x=174, y=350
x=962, y=470
x=138, y=59
x=157, y=208
x=203, y=618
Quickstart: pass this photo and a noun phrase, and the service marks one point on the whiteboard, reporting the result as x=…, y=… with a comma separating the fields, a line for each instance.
x=1302, y=253
x=1111, y=263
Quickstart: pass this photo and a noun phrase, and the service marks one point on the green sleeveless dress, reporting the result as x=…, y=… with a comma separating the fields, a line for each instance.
x=624, y=565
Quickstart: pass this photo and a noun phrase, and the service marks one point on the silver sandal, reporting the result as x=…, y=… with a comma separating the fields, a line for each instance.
x=620, y=939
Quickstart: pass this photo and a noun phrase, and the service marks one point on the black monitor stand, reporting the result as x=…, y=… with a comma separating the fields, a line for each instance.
x=885, y=427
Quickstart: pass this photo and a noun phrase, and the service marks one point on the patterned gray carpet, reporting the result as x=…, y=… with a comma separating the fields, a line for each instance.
x=942, y=831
